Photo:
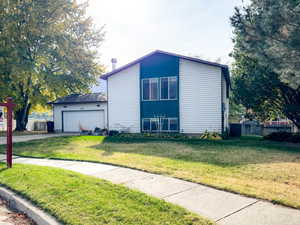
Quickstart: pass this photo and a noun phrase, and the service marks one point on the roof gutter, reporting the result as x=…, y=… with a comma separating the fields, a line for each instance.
x=61, y=103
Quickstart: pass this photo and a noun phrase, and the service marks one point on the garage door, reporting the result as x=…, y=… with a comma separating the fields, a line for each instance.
x=88, y=120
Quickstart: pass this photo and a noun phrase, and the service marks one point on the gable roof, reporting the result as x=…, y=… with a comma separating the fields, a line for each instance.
x=81, y=98
x=223, y=67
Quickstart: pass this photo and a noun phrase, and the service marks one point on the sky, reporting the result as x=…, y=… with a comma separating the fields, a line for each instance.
x=190, y=27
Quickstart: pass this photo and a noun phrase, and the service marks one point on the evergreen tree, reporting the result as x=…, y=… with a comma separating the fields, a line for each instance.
x=266, y=73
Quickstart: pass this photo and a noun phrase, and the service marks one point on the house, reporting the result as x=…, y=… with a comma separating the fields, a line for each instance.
x=166, y=92
x=80, y=111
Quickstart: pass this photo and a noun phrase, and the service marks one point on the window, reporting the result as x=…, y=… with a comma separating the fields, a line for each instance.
x=160, y=124
x=154, y=89
x=168, y=88
x=150, y=124
x=154, y=125
x=164, y=124
x=164, y=88
x=150, y=89
x=173, y=124
x=172, y=88
x=146, y=89
x=146, y=125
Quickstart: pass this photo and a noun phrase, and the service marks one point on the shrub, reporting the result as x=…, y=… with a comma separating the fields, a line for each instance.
x=295, y=138
x=278, y=136
x=104, y=132
x=283, y=137
x=172, y=136
x=211, y=136
x=113, y=133
x=155, y=135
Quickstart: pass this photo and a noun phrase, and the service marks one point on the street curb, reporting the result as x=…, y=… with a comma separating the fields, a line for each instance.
x=21, y=205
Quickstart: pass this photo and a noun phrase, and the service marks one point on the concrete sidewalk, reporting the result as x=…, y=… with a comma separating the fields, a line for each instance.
x=35, y=137
x=223, y=207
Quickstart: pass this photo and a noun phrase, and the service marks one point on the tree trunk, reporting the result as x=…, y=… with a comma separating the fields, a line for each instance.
x=21, y=117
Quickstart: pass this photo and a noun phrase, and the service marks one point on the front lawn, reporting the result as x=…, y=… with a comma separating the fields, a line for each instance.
x=250, y=166
x=78, y=199
x=22, y=133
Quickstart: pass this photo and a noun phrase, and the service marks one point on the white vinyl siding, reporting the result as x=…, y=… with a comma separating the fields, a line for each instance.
x=200, y=97
x=124, y=100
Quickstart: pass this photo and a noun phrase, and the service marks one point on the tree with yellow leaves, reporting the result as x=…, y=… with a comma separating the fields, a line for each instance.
x=48, y=49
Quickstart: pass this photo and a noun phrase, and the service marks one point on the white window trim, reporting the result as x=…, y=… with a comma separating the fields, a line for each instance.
x=159, y=124
x=150, y=80
x=143, y=124
x=143, y=90
x=169, y=124
x=168, y=99
x=150, y=90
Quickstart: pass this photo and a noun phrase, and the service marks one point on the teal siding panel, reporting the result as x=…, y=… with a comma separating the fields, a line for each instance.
x=153, y=109
x=160, y=65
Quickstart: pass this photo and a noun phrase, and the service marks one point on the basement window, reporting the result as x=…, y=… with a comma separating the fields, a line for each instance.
x=160, y=124
x=150, y=124
x=169, y=124
x=154, y=124
x=173, y=124
x=164, y=124
x=146, y=125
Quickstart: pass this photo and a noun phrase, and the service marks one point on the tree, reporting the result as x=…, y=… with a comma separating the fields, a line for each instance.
x=266, y=52
x=236, y=112
x=47, y=50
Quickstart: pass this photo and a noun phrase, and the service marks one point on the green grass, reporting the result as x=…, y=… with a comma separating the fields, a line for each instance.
x=250, y=166
x=22, y=133
x=78, y=199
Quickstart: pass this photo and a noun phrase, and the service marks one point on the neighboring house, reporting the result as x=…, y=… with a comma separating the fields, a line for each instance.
x=166, y=92
x=75, y=112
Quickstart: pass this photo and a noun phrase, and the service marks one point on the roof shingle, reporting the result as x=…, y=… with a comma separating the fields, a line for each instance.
x=81, y=98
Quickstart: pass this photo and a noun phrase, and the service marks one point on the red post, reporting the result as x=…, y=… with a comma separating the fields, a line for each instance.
x=9, y=133
x=9, y=105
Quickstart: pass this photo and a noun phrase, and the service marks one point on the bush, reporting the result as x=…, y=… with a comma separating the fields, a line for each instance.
x=99, y=131
x=294, y=139
x=211, y=136
x=155, y=135
x=283, y=137
x=278, y=136
x=171, y=136
x=113, y=133
x=104, y=132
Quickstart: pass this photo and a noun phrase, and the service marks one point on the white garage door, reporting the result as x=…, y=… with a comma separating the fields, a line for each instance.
x=88, y=120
